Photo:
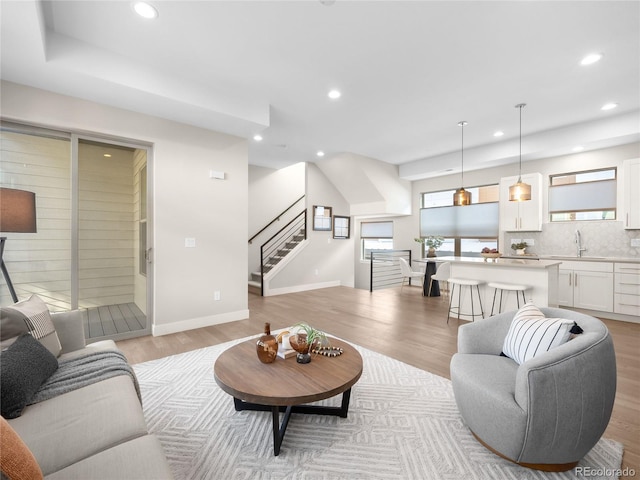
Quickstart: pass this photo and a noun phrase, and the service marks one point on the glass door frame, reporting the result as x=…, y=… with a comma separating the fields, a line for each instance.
x=75, y=256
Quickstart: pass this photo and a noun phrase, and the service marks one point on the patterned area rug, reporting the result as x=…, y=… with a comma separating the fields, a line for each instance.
x=403, y=424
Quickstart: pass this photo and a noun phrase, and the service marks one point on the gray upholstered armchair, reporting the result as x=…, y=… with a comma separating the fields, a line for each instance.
x=546, y=413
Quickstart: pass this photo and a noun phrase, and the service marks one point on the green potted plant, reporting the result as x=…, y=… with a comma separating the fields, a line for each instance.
x=519, y=247
x=305, y=339
x=433, y=242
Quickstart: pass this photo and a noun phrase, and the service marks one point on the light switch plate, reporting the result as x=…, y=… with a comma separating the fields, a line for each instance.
x=190, y=242
x=635, y=242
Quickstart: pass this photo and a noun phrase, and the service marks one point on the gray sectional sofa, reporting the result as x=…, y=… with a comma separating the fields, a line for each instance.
x=97, y=431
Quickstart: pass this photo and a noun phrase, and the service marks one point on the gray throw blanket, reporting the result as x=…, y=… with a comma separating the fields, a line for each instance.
x=81, y=371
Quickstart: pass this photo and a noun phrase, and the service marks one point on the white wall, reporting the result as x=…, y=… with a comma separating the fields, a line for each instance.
x=609, y=238
x=187, y=203
x=325, y=261
x=553, y=236
x=271, y=191
x=378, y=189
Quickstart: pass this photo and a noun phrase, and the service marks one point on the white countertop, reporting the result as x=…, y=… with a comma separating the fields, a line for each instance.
x=501, y=262
x=585, y=258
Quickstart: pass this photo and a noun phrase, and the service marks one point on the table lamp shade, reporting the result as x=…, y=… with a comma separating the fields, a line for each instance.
x=17, y=211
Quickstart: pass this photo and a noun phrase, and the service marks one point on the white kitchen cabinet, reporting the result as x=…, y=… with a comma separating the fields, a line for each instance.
x=587, y=285
x=521, y=216
x=631, y=180
x=627, y=289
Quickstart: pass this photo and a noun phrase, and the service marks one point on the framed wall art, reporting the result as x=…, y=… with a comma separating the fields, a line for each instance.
x=341, y=227
x=321, y=218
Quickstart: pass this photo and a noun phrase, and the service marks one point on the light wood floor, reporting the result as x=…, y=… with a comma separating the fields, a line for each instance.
x=405, y=326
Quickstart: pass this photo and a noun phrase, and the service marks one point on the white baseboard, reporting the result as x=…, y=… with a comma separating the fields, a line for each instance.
x=300, y=288
x=175, y=327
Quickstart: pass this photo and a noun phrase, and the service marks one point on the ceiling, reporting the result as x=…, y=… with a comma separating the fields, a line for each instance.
x=408, y=73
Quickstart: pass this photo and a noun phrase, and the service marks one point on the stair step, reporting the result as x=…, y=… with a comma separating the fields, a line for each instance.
x=256, y=289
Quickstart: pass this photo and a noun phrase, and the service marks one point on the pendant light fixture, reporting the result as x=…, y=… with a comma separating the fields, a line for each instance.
x=520, y=191
x=461, y=196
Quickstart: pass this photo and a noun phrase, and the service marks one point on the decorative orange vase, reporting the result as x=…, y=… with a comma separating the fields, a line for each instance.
x=267, y=346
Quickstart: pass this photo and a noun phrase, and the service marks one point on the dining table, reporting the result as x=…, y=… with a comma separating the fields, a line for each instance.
x=431, y=265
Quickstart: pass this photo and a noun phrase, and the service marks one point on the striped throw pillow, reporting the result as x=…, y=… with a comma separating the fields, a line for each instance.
x=531, y=334
x=34, y=314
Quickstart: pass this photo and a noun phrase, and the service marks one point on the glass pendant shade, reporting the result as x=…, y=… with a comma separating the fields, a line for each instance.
x=519, y=191
x=461, y=197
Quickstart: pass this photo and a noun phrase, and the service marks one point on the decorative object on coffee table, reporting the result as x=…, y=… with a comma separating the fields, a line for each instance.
x=328, y=351
x=267, y=346
x=305, y=340
x=296, y=388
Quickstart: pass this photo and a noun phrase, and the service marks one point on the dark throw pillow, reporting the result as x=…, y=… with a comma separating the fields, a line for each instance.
x=24, y=367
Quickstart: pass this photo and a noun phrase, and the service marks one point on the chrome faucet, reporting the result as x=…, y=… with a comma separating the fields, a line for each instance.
x=579, y=247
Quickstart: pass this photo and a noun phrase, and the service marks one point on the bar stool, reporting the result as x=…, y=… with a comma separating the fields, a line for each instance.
x=464, y=282
x=509, y=287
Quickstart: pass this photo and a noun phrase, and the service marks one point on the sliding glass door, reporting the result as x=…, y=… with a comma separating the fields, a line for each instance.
x=91, y=248
x=112, y=284
x=39, y=263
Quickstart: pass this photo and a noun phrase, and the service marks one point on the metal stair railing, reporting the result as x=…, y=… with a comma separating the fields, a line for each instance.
x=280, y=244
x=385, y=268
x=276, y=219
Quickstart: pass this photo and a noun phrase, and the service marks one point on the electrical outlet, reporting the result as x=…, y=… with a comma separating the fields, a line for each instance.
x=530, y=241
x=635, y=242
x=190, y=242
x=216, y=295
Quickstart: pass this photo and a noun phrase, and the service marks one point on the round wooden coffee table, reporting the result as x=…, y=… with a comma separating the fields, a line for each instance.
x=286, y=385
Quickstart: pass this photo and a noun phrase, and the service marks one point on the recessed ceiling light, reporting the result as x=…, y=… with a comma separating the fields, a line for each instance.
x=107, y=155
x=145, y=10
x=591, y=59
x=609, y=106
x=578, y=148
x=319, y=153
x=334, y=94
x=257, y=138
x=499, y=133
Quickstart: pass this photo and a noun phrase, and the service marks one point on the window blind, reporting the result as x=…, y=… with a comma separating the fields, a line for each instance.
x=472, y=221
x=376, y=230
x=581, y=197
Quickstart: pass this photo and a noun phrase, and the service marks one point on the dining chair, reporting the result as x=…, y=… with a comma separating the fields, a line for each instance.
x=443, y=272
x=408, y=273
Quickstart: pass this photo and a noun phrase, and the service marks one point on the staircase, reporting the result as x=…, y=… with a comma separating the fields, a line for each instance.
x=255, y=284
x=277, y=248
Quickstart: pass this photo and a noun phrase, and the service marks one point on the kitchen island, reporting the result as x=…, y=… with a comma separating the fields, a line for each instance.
x=541, y=276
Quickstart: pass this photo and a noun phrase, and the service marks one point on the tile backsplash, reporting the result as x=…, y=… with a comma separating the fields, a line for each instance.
x=600, y=238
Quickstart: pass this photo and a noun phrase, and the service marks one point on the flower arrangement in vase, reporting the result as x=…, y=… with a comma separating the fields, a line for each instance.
x=305, y=339
x=433, y=242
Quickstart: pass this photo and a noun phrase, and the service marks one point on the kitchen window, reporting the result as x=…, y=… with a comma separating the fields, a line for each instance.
x=375, y=236
x=580, y=196
x=467, y=229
